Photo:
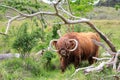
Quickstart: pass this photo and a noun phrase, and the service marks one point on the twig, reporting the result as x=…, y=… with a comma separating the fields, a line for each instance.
x=98, y=68
x=118, y=69
x=3, y=34
x=8, y=56
x=59, y=33
x=9, y=22
x=80, y=69
x=68, y=13
x=100, y=59
x=115, y=60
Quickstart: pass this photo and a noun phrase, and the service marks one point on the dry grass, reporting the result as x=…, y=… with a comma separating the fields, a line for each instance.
x=111, y=28
x=108, y=13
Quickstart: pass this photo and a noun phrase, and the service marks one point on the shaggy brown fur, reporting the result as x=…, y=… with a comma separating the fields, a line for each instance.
x=85, y=51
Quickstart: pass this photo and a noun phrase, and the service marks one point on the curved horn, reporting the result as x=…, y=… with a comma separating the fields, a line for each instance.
x=50, y=45
x=76, y=44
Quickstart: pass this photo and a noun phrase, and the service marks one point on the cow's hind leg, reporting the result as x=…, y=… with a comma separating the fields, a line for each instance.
x=91, y=60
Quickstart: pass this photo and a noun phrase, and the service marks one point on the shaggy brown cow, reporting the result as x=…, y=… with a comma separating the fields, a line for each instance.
x=74, y=47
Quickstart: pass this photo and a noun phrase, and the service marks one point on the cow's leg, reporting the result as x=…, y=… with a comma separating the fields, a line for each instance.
x=96, y=55
x=90, y=60
x=63, y=64
x=77, y=61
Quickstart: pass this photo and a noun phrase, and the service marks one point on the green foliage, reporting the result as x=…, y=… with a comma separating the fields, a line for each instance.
x=11, y=69
x=23, y=5
x=117, y=7
x=47, y=58
x=81, y=7
x=34, y=67
x=48, y=55
x=54, y=31
x=15, y=69
x=25, y=41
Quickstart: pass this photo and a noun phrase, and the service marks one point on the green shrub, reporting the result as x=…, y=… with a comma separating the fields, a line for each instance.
x=47, y=60
x=25, y=40
x=54, y=31
x=34, y=67
x=15, y=69
x=81, y=7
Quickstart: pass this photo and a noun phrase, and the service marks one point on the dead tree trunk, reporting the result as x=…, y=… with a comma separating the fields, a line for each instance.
x=8, y=56
x=103, y=37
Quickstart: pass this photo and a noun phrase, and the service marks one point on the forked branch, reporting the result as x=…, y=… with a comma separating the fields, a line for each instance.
x=110, y=61
x=57, y=6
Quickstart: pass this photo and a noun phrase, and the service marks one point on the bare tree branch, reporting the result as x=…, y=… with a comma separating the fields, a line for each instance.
x=115, y=60
x=62, y=9
x=59, y=33
x=81, y=69
x=118, y=69
x=12, y=9
x=9, y=22
x=66, y=21
x=102, y=36
x=3, y=33
x=8, y=56
x=100, y=59
x=98, y=68
x=110, y=61
x=104, y=47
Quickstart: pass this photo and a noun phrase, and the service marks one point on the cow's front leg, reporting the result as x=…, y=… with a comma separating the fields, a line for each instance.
x=76, y=62
x=63, y=64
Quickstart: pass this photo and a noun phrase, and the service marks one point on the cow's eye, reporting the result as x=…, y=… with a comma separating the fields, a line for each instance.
x=58, y=48
x=68, y=47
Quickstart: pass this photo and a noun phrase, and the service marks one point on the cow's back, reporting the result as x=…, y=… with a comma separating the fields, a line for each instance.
x=86, y=47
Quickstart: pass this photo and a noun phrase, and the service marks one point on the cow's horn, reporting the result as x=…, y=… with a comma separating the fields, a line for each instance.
x=76, y=44
x=50, y=45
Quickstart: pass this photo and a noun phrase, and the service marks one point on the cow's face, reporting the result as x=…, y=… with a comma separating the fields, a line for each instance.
x=63, y=52
x=64, y=46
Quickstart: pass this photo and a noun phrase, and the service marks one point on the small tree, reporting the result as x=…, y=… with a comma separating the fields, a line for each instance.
x=25, y=41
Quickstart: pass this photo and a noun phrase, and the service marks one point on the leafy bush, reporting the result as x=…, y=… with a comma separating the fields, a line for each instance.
x=54, y=31
x=25, y=41
x=47, y=60
x=117, y=7
x=16, y=69
x=23, y=5
x=81, y=7
x=9, y=69
x=34, y=67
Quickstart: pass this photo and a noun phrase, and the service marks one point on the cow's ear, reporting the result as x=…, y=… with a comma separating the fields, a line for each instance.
x=55, y=44
x=72, y=44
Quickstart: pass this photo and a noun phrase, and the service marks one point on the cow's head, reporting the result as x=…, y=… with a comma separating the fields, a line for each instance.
x=64, y=46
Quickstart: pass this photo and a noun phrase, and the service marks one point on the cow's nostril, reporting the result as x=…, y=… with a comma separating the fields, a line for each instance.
x=63, y=52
